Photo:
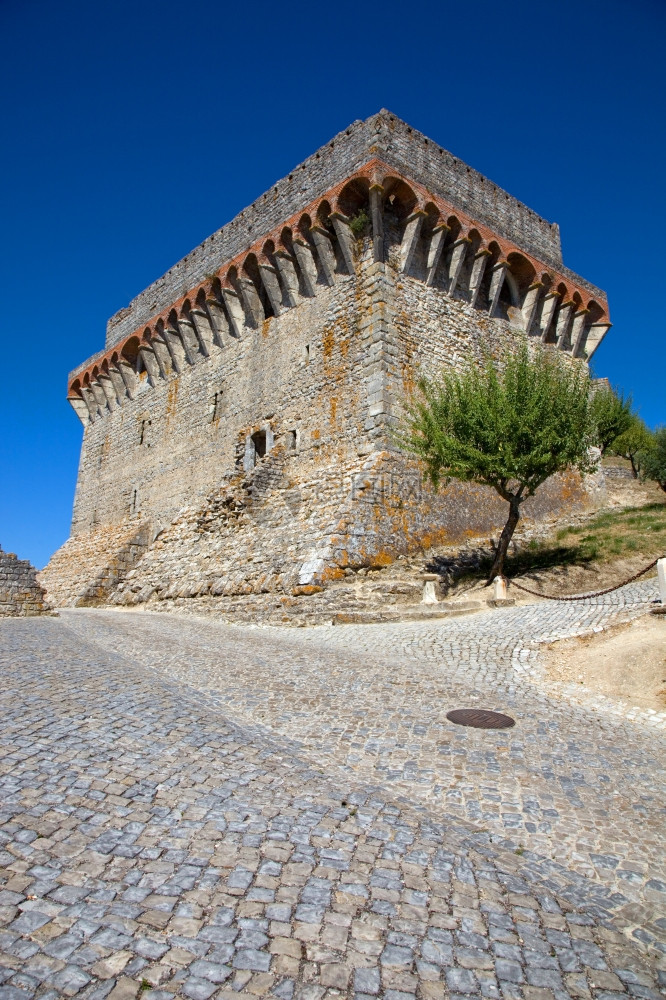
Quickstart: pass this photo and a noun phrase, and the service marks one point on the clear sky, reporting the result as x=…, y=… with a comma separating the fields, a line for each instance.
x=135, y=128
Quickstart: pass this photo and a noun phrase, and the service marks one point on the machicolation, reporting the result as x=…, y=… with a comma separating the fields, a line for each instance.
x=237, y=423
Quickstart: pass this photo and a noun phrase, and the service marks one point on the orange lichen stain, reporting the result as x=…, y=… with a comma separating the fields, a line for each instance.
x=330, y=573
x=265, y=325
x=381, y=558
x=172, y=401
x=316, y=434
x=334, y=408
x=143, y=375
x=306, y=589
x=327, y=341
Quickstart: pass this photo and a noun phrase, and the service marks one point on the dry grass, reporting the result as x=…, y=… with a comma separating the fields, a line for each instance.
x=607, y=537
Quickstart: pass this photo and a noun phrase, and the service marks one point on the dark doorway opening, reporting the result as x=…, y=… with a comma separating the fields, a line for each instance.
x=259, y=442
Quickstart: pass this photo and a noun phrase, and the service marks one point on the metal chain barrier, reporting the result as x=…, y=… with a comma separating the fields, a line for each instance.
x=584, y=597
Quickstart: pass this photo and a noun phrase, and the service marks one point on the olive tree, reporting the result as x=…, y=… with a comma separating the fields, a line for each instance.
x=652, y=461
x=611, y=416
x=510, y=426
x=631, y=443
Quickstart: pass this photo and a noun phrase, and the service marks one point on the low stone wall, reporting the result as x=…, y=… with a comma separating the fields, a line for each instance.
x=20, y=594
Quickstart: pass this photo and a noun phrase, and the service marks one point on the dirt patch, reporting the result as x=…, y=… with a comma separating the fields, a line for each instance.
x=622, y=490
x=563, y=581
x=627, y=662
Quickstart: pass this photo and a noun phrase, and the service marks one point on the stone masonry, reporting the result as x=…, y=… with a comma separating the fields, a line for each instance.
x=20, y=593
x=238, y=424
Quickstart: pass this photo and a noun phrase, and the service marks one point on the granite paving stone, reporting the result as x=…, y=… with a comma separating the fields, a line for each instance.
x=198, y=810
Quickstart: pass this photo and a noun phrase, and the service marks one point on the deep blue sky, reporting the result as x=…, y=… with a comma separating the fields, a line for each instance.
x=132, y=130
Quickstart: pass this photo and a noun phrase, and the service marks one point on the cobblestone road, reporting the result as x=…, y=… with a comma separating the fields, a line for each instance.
x=164, y=821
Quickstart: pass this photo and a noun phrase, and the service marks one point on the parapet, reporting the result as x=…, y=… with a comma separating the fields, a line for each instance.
x=382, y=136
x=453, y=229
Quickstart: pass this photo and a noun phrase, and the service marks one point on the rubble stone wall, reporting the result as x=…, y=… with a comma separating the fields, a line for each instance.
x=20, y=593
x=300, y=378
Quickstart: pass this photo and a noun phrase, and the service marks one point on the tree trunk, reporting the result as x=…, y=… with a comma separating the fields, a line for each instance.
x=497, y=568
x=633, y=467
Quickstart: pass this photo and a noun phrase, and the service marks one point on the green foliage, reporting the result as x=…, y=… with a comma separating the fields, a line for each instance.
x=359, y=222
x=652, y=461
x=636, y=439
x=611, y=415
x=509, y=427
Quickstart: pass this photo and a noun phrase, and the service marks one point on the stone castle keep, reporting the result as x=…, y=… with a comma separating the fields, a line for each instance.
x=237, y=423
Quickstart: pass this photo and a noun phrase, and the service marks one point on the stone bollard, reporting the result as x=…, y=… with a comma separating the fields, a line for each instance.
x=429, y=593
x=661, y=576
x=499, y=588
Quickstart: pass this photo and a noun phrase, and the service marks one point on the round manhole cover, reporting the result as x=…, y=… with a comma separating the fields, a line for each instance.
x=479, y=718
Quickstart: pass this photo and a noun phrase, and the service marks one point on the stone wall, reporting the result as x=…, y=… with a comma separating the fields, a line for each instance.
x=20, y=594
x=323, y=383
x=86, y=570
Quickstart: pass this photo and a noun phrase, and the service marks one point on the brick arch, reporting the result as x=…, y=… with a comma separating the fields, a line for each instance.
x=399, y=197
x=130, y=350
x=354, y=196
x=287, y=239
x=522, y=271
x=251, y=272
x=305, y=225
x=230, y=278
x=455, y=228
x=323, y=213
x=595, y=311
x=268, y=250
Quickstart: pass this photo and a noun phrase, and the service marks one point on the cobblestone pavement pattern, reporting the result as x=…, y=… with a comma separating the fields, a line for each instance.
x=156, y=838
x=578, y=784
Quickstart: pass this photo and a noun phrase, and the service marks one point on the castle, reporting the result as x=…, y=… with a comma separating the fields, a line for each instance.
x=237, y=423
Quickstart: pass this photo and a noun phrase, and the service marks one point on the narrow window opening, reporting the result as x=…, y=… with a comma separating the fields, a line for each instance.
x=216, y=406
x=134, y=502
x=291, y=441
x=307, y=352
x=143, y=437
x=259, y=442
